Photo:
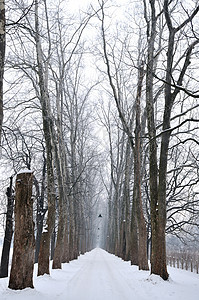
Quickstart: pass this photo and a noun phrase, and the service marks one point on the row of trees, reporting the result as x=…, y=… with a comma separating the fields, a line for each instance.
x=142, y=103
x=156, y=156
x=48, y=129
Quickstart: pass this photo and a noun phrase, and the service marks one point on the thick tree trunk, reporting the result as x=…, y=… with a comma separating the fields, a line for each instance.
x=2, y=58
x=21, y=275
x=8, y=232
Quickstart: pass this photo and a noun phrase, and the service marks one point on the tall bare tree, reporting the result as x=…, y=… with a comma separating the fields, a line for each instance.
x=142, y=245
x=2, y=58
x=44, y=254
x=158, y=179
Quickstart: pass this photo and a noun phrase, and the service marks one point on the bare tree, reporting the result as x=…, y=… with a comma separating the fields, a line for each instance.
x=127, y=127
x=158, y=181
x=142, y=248
x=43, y=262
x=2, y=58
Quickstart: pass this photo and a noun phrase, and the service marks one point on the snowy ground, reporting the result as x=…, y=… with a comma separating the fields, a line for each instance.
x=100, y=275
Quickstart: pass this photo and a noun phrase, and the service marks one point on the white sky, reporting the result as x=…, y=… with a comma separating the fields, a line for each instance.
x=80, y=4
x=83, y=4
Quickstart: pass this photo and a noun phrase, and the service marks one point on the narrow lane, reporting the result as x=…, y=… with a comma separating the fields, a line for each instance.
x=100, y=278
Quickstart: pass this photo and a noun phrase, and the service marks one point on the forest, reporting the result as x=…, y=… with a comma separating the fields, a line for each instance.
x=99, y=131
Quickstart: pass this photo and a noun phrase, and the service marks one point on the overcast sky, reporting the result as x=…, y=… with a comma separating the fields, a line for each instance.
x=79, y=4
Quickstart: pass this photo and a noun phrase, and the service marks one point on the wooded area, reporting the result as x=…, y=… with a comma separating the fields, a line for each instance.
x=101, y=112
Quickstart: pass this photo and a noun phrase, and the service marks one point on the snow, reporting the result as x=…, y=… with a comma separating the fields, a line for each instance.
x=25, y=171
x=100, y=275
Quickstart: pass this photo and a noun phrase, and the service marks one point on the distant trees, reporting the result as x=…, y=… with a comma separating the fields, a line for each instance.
x=118, y=89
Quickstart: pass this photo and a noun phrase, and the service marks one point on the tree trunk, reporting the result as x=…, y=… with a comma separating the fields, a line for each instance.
x=126, y=205
x=21, y=275
x=52, y=244
x=142, y=245
x=71, y=229
x=158, y=249
x=134, y=233
x=153, y=170
x=65, y=257
x=58, y=253
x=44, y=254
x=8, y=232
x=41, y=211
x=2, y=58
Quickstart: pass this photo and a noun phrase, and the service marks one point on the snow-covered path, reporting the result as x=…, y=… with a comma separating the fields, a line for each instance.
x=100, y=275
x=101, y=278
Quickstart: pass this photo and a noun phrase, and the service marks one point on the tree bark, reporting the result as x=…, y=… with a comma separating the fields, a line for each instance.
x=21, y=275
